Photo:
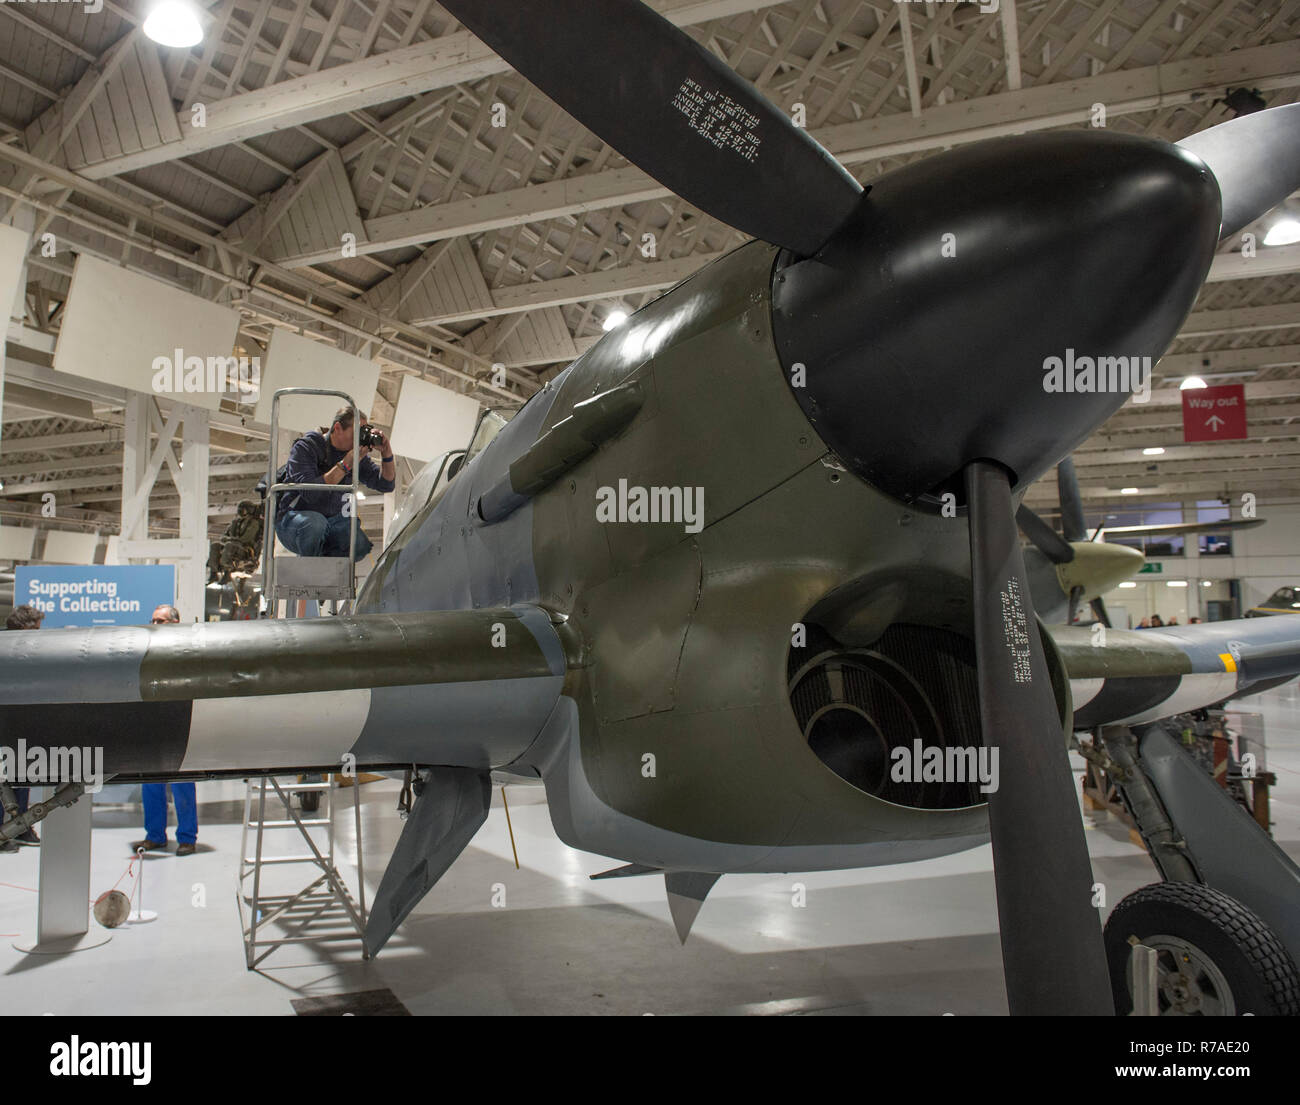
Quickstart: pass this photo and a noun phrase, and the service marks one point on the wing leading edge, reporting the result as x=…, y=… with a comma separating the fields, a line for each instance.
x=260, y=696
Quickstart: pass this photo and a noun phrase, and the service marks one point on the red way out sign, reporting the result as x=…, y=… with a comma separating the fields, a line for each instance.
x=1215, y=414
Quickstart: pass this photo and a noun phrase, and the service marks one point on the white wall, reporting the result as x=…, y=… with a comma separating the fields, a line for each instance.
x=1263, y=559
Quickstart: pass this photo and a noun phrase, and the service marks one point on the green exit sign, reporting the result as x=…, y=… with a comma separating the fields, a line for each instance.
x=1151, y=567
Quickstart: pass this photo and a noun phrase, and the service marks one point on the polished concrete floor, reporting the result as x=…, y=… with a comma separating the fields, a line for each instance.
x=919, y=938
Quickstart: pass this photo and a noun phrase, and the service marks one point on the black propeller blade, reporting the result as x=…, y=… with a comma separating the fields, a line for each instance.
x=1076, y=593
x=1067, y=488
x=1256, y=160
x=1099, y=612
x=1053, y=546
x=672, y=108
x=1051, y=935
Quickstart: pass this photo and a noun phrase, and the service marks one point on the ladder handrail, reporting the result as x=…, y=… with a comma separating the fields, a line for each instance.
x=274, y=489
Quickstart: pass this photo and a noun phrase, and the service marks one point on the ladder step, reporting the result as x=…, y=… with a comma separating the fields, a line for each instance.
x=253, y=860
x=294, y=788
x=291, y=824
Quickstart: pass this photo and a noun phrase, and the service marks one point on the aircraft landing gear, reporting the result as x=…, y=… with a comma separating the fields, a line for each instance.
x=309, y=800
x=1225, y=923
x=1215, y=958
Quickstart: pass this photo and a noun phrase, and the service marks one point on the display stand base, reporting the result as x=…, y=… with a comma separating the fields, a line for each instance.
x=141, y=917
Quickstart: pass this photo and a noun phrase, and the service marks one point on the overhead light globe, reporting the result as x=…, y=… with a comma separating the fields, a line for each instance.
x=614, y=320
x=1284, y=232
x=1153, y=451
x=1128, y=585
x=174, y=23
x=1192, y=382
x=1128, y=490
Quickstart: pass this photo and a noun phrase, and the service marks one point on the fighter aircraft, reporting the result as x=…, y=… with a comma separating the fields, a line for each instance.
x=1285, y=600
x=761, y=536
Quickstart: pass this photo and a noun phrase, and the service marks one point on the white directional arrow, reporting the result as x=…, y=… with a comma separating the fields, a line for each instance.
x=1212, y=420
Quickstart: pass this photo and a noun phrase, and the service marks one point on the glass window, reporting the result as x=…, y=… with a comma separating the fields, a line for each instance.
x=490, y=423
x=426, y=481
x=1214, y=544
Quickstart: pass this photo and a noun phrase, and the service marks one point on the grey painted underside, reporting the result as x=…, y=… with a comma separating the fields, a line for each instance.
x=583, y=821
x=481, y=725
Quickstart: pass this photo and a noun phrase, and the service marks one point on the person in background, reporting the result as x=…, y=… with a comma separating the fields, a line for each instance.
x=23, y=617
x=1172, y=621
x=155, y=794
x=1157, y=622
x=314, y=523
x=1194, y=621
x=1145, y=623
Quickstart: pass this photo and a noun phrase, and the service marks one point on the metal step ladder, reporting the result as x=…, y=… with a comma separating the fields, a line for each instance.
x=325, y=909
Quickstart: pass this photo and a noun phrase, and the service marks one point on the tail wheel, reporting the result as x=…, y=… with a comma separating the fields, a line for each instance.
x=309, y=800
x=1215, y=956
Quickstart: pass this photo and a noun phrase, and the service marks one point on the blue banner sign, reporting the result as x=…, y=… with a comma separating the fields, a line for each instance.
x=124, y=594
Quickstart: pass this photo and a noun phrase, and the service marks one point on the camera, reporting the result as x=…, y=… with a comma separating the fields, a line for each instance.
x=370, y=437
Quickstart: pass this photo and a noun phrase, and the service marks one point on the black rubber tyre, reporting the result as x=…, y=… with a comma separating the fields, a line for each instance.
x=1260, y=974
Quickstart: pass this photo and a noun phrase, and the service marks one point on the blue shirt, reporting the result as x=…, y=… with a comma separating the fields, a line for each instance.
x=310, y=458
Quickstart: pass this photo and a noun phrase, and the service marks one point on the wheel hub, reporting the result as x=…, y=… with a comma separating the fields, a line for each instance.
x=1189, y=982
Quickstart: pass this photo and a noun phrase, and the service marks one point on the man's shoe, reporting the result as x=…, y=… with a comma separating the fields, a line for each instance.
x=30, y=837
x=185, y=849
x=149, y=845
x=7, y=847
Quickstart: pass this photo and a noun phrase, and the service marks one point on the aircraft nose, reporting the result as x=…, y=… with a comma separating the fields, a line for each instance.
x=998, y=301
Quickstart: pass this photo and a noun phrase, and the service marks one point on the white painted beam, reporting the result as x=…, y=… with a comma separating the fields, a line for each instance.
x=1030, y=109
x=647, y=276
x=1276, y=316
x=1227, y=360
x=1268, y=261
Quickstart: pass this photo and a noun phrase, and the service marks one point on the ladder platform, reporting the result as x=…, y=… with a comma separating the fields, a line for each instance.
x=312, y=577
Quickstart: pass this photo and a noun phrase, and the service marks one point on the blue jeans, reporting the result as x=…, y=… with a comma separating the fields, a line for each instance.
x=155, y=812
x=309, y=533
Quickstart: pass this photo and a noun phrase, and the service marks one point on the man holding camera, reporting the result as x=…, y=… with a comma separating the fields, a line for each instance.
x=314, y=523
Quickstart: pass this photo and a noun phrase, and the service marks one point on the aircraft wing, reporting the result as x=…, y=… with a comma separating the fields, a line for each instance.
x=1132, y=676
x=464, y=687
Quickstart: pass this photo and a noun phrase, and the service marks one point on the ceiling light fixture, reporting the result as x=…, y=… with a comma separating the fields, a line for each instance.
x=1127, y=586
x=1175, y=583
x=1153, y=451
x=1284, y=232
x=1190, y=382
x=1128, y=490
x=174, y=23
